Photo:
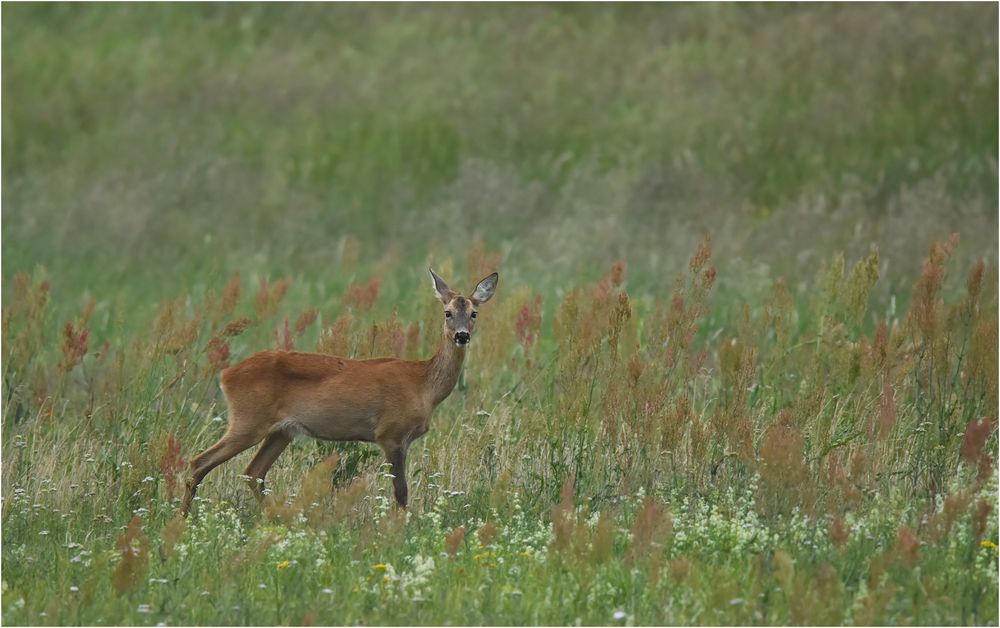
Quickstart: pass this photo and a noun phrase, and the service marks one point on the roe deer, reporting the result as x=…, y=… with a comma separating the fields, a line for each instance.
x=275, y=395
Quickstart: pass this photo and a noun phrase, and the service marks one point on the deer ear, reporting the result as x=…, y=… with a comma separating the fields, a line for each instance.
x=485, y=289
x=441, y=289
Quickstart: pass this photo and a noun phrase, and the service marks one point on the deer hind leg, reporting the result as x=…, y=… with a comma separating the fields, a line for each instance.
x=268, y=453
x=232, y=443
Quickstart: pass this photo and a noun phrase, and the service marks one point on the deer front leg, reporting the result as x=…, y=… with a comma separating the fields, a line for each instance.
x=395, y=453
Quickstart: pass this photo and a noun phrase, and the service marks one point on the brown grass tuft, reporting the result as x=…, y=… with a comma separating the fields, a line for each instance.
x=871, y=611
x=172, y=465
x=908, y=547
x=283, y=337
x=75, y=342
x=487, y=533
x=563, y=518
x=134, y=548
x=651, y=534
x=839, y=532
x=218, y=354
x=974, y=282
x=230, y=295
x=335, y=340
x=603, y=542
x=304, y=320
x=529, y=322
x=679, y=569
x=784, y=475
x=347, y=499
x=171, y=533
x=362, y=297
x=925, y=308
x=980, y=519
x=453, y=540
x=817, y=599
x=886, y=407
x=268, y=298
x=977, y=433
x=617, y=274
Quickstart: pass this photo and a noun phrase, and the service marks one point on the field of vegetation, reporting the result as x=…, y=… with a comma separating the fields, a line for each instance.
x=741, y=366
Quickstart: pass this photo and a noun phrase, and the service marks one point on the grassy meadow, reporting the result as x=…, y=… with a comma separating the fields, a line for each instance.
x=741, y=366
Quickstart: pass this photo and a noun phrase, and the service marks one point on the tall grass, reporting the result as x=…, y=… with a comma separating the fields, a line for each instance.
x=621, y=459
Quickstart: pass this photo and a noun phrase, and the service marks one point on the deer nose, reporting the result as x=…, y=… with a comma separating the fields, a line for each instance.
x=462, y=337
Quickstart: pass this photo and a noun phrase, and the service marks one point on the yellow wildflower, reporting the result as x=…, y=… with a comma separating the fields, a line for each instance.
x=283, y=565
x=379, y=566
x=989, y=545
x=525, y=554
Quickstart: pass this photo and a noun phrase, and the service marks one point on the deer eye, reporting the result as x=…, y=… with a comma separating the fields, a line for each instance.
x=473, y=315
x=447, y=314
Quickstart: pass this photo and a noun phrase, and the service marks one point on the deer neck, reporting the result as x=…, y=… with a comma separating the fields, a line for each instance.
x=445, y=367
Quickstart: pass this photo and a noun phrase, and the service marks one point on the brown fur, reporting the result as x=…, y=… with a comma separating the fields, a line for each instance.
x=274, y=395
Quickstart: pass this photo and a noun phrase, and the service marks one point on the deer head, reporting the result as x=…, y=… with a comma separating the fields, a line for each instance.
x=460, y=311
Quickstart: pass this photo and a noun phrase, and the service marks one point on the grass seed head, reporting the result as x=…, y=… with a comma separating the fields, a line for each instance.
x=235, y=327
x=453, y=540
x=218, y=354
x=230, y=295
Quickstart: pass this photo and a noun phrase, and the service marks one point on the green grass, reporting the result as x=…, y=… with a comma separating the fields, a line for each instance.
x=793, y=424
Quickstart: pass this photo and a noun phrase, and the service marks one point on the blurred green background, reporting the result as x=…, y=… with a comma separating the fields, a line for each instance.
x=147, y=148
